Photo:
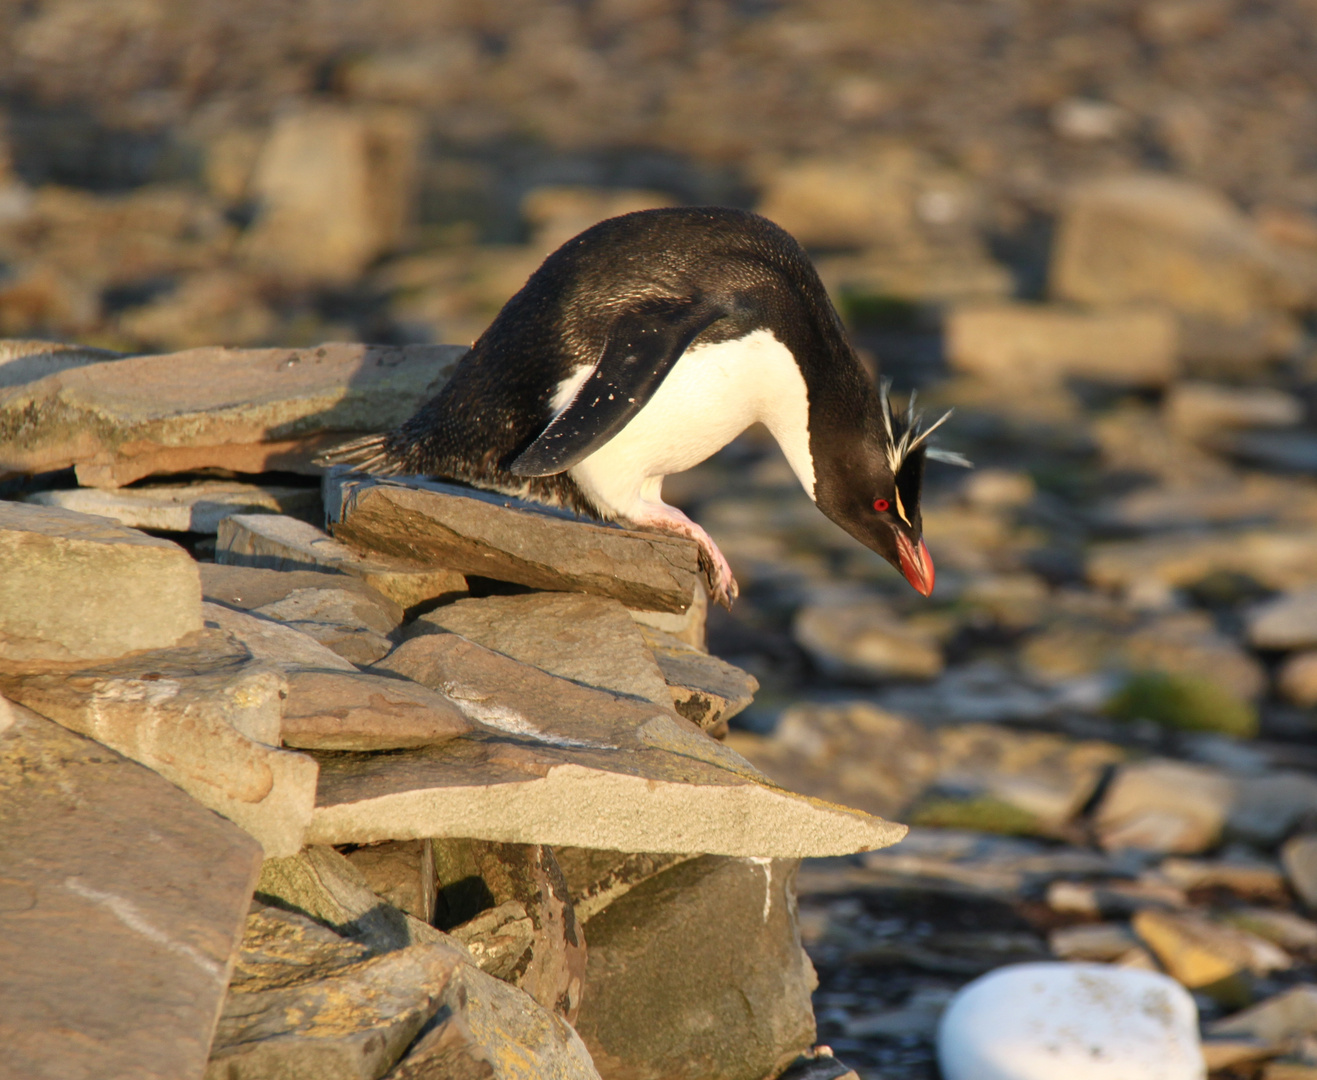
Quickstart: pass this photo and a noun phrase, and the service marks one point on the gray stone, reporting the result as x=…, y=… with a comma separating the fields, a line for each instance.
x=351, y=625
x=401, y=872
x=705, y=690
x=1282, y=558
x=1299, y=857
x=332, y=710
x=76, y=587
x=1279, y=1021
x=495, y=536
x=324, y=885
x=197, y=507
x=341, y=612
x=1288, y=622
x=204, y=716
x=275, y=542
x=1278, y=451
x=1238, y=501
x=1103, y=942
x=248, y=588
x=509, y=905
x=591, y=640
x=688, y=626
x=124, y=419
x=273, y=642
x=488, y=1030
x=1297, y=679
x=1035, y=343
x=1197, y=410
x=1161, y=805
x=560, y=763
x=124, y=901
x=866, y=641
x=698, y=971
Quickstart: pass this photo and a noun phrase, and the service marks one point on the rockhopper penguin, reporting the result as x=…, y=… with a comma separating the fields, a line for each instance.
x=642, y=346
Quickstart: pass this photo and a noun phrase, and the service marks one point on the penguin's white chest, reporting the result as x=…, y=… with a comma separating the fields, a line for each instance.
x=712, y=394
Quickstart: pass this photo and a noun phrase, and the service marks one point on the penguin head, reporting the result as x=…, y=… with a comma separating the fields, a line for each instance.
x=876, y=497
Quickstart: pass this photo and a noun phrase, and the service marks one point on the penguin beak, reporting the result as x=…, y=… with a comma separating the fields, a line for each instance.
x=916, y=564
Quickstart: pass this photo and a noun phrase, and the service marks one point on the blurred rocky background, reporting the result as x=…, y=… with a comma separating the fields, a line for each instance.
x=1089, y=226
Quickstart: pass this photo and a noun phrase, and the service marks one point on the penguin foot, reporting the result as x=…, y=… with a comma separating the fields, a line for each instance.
x=717, y=573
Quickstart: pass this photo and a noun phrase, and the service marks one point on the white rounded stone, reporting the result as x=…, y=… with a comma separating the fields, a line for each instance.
x=1054, y=1021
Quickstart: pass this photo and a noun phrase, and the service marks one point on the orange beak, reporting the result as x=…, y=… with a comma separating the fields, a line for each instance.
x=916, y=564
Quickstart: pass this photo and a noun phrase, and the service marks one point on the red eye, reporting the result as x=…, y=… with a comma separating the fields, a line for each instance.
x=881, y=505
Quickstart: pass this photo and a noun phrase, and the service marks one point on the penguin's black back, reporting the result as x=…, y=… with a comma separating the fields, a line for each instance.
x=498, y=400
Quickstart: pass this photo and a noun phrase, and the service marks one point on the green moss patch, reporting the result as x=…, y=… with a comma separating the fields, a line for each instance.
x=1184, y=702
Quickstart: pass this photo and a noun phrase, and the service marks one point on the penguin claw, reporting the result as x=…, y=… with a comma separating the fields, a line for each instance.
x=718, y=574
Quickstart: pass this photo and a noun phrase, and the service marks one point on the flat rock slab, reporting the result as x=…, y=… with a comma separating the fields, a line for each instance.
x=559, y=763
x=494, y=536
x=267, y=639
x=705, y=690
x=25, y=360
x=124, y=902
x=76, y=587
x=248, y=410
x=198, y=507
x=331, y=710
x=341, y=612
x=276, y=542
x=205, y=716
x=591, y=640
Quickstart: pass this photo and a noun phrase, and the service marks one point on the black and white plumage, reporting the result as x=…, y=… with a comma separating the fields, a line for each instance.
x=642, y=346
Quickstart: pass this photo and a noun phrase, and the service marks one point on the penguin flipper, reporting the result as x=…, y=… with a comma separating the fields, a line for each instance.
x=643, y=346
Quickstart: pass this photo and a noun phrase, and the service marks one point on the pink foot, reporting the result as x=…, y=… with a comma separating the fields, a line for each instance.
x=717, y=572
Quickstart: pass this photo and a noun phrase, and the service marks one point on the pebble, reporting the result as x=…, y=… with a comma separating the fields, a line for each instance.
x=1077, y=1021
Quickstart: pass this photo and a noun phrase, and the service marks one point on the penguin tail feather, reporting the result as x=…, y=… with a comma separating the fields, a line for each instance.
x=366, y=455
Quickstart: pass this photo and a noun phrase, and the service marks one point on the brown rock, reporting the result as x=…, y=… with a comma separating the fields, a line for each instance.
x=1287, y=622
x=478, y=533
x=334, y=186
x=274, y=542
x=197, y=507
x=1197, y=410
x=322, y=883
x=705, y=690
x=509, y=905
x=698, y=971
x=336, y=1021
x=1160, y=805
x=27, y=361
x=865, y=641
x=1207, y=956
x=115, y=960
x=202, y=715
x=331, y=710
x=75, y=587
x=1029, y=343
x=400, y=871
x=564, y=764
x=1124, y=239
x=249, y=588
x=489, y=1030
x=591, y=640
x=121, y=420
x=596, y=878
x=1281, y=558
